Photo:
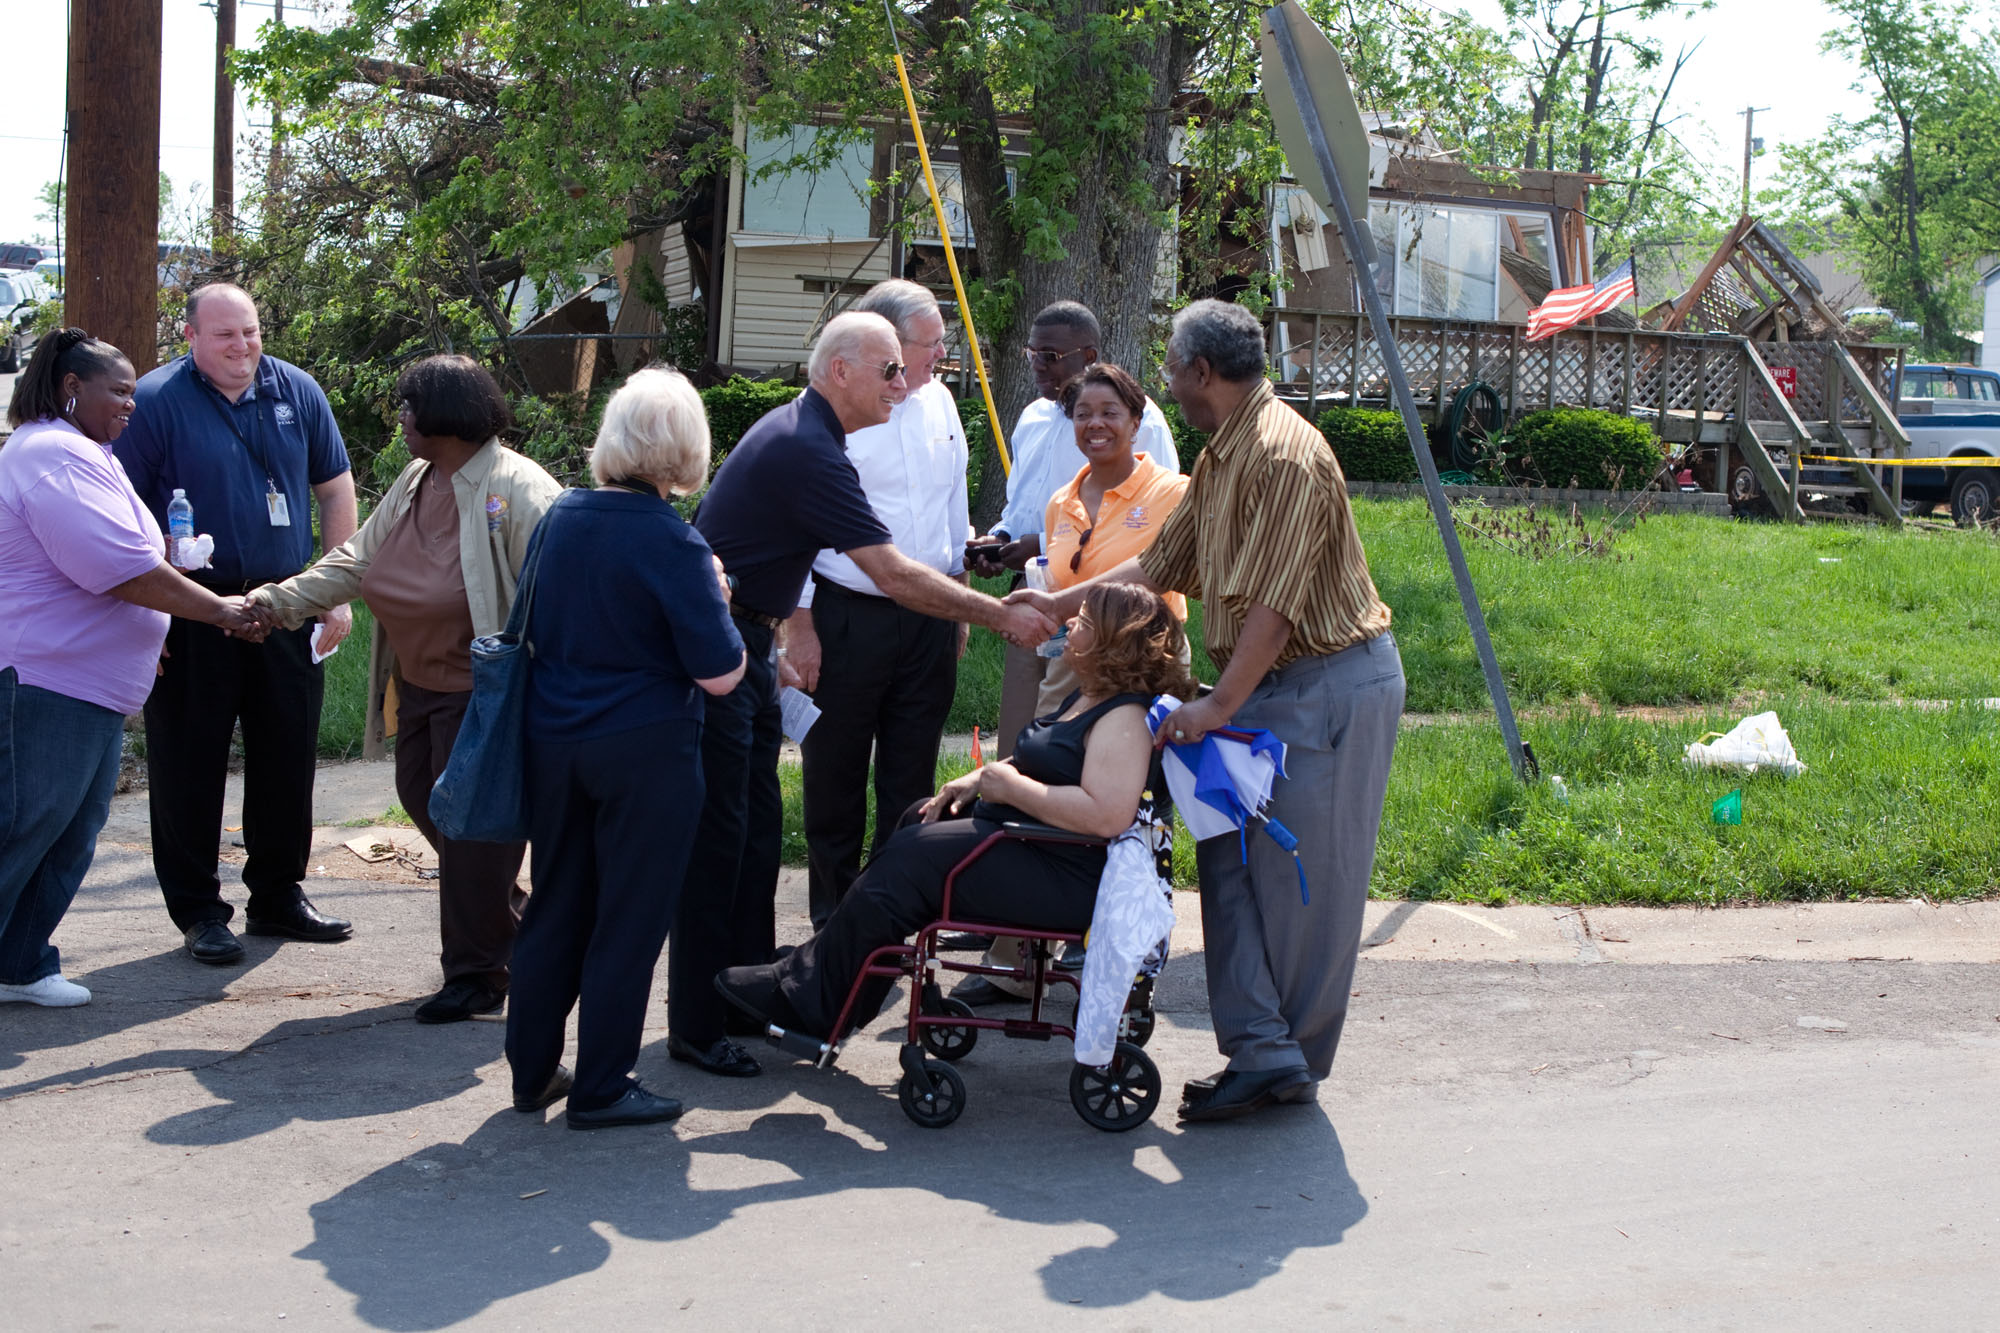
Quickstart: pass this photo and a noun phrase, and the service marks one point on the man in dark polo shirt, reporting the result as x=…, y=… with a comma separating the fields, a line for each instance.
x=252, y=441
x=785, y=493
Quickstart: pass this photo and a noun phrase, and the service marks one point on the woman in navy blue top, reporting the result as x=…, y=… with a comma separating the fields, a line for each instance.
x=1081, y=768
x=629, y=631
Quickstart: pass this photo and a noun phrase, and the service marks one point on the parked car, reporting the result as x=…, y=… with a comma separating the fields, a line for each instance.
x=20, y=295
x=23, y=255
x=1952, y=412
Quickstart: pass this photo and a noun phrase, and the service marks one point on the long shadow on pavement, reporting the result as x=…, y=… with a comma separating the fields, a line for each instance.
x=1204, y=1214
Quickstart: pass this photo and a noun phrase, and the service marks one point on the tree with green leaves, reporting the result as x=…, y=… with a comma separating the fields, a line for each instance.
x=440, y=150
x=1908, y=187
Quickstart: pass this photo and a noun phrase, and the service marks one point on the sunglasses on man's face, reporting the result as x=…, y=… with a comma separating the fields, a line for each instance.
x=1041, y=358
x=891, y=369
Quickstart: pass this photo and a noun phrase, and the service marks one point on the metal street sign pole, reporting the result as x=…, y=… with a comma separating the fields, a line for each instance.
x=1278, y=29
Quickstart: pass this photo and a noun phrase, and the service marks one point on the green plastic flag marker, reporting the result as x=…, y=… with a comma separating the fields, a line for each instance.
x=1728, y=810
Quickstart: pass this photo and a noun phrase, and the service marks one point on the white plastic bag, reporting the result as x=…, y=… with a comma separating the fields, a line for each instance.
x=1756, y=743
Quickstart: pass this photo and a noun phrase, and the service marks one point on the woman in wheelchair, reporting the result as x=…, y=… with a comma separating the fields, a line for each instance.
x=1080, y=768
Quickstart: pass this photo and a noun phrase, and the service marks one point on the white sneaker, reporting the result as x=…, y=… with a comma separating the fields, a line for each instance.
x=52, y=992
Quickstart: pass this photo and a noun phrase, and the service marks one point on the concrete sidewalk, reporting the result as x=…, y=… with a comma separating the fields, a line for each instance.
x=1609, y=1118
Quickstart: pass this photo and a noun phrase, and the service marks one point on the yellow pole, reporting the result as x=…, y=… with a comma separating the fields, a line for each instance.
x=950, y=260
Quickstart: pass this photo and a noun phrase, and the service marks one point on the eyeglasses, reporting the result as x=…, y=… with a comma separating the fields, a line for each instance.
x=1041, y=358
x=1076, y=556
x=1172, y=364
x=891, y=369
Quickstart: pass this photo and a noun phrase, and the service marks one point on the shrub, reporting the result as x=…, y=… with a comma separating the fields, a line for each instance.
x=1371, y=446
x=1573, y=446
x=734, y=407
x=1188, y=442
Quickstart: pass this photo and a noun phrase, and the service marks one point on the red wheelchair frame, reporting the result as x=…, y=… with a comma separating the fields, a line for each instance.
x=1120, y=1096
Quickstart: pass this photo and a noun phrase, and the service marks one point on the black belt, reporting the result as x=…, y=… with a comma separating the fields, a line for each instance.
x=841, y=589
x=744, y=613
x=221, y=589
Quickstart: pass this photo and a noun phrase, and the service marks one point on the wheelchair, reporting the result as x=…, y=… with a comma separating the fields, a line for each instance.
x=940, y=1031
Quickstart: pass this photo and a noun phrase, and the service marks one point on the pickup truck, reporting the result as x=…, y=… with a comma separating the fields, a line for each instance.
x=1952, y=412
x=1949, y=412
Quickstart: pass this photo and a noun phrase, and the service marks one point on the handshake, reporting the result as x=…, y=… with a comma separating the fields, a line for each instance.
x=241, y=619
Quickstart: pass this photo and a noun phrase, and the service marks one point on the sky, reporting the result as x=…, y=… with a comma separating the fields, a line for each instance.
x=1769, y=46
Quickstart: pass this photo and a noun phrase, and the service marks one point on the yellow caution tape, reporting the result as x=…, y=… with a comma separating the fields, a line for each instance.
x=1963, y=460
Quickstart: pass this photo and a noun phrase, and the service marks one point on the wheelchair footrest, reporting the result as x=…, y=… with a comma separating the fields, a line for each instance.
x=799, y=1045
x=1021, y=1027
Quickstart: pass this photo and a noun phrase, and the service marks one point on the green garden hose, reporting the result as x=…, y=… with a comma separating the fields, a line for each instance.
x=1465, y=454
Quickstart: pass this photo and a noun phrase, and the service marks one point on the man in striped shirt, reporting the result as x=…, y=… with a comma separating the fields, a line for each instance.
x=1265, y=540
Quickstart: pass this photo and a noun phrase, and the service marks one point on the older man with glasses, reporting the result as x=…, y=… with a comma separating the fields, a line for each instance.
x=787, y=492
x=1062, y=341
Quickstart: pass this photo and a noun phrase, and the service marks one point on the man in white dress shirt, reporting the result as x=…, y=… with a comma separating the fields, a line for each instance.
x=1061, y=342
x=882, y=675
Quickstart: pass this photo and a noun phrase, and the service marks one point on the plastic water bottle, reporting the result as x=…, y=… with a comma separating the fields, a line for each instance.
x=1038, y=578
x=180, y=517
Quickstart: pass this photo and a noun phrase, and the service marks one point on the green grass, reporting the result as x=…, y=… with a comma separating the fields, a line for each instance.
x=1696, y=610
x=344, y=715
x=1895, y=803
x=1821, y=622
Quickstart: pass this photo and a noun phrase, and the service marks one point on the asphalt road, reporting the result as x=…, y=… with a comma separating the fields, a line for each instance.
x=1534, y=1122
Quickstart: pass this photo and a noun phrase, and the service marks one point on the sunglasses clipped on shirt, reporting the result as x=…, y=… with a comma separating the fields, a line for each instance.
x=1076, y=556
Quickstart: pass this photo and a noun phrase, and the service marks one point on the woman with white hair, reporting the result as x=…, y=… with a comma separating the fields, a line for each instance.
x=629, y=627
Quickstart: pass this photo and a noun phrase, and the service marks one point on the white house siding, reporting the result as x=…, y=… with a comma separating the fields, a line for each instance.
x=774, y=312
x=1989, y=350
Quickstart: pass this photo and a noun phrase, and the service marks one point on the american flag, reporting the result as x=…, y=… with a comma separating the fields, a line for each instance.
x=1572, y=305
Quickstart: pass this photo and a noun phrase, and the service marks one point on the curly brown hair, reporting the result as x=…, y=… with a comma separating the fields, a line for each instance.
x=1138, y=643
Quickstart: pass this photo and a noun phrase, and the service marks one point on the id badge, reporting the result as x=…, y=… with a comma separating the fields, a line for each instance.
x=281, y=514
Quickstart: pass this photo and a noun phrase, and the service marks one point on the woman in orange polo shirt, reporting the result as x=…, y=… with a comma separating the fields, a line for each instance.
x=1111, y=510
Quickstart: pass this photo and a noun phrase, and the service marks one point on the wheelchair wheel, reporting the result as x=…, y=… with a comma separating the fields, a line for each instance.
x=1139, y=1026
x=950, y=1043
x=1119, y=1096
x=934, y=1098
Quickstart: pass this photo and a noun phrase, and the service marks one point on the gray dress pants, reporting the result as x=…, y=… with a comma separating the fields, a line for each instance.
x=1280, y=971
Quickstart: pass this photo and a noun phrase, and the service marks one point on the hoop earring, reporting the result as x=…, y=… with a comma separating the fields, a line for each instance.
x=70, y=411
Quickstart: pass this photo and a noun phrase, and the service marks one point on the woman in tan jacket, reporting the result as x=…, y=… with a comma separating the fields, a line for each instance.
x=437, y=563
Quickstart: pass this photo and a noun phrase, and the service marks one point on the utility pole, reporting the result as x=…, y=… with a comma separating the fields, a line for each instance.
x=112, y=207
x=223, y=212
x=272, y=175
x=1750, y=146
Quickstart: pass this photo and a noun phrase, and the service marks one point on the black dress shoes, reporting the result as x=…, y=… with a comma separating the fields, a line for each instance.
x=636, y=1107
x=459, y=1000
x=301, y=921
x=725, y=1057
x=213, y=942
x=552, y=1092
x=1239, y=1092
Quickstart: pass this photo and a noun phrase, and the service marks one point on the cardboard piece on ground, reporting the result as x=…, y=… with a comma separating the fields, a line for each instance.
x=375, y=848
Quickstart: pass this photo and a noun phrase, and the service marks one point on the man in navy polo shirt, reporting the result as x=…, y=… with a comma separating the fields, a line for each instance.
x=252, y=441
x=786, y=492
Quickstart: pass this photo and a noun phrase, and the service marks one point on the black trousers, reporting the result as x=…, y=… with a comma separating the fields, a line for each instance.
x=728, y=913
x=610, y=820
x=886, y=679
x=479, y=891
x=210, y=683
x=1051, y=887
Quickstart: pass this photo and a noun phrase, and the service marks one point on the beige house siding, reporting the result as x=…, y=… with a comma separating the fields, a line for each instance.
x=774, y=312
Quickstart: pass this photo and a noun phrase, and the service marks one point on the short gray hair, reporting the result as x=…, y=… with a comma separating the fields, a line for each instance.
x=654, y=427
x=1222, y=333
x=842, y=338
x=899, y=301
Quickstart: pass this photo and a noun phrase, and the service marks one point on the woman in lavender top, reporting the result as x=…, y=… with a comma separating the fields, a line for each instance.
x=85, y=593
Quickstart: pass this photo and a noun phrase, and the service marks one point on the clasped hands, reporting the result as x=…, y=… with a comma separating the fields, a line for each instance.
x=988, y=780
